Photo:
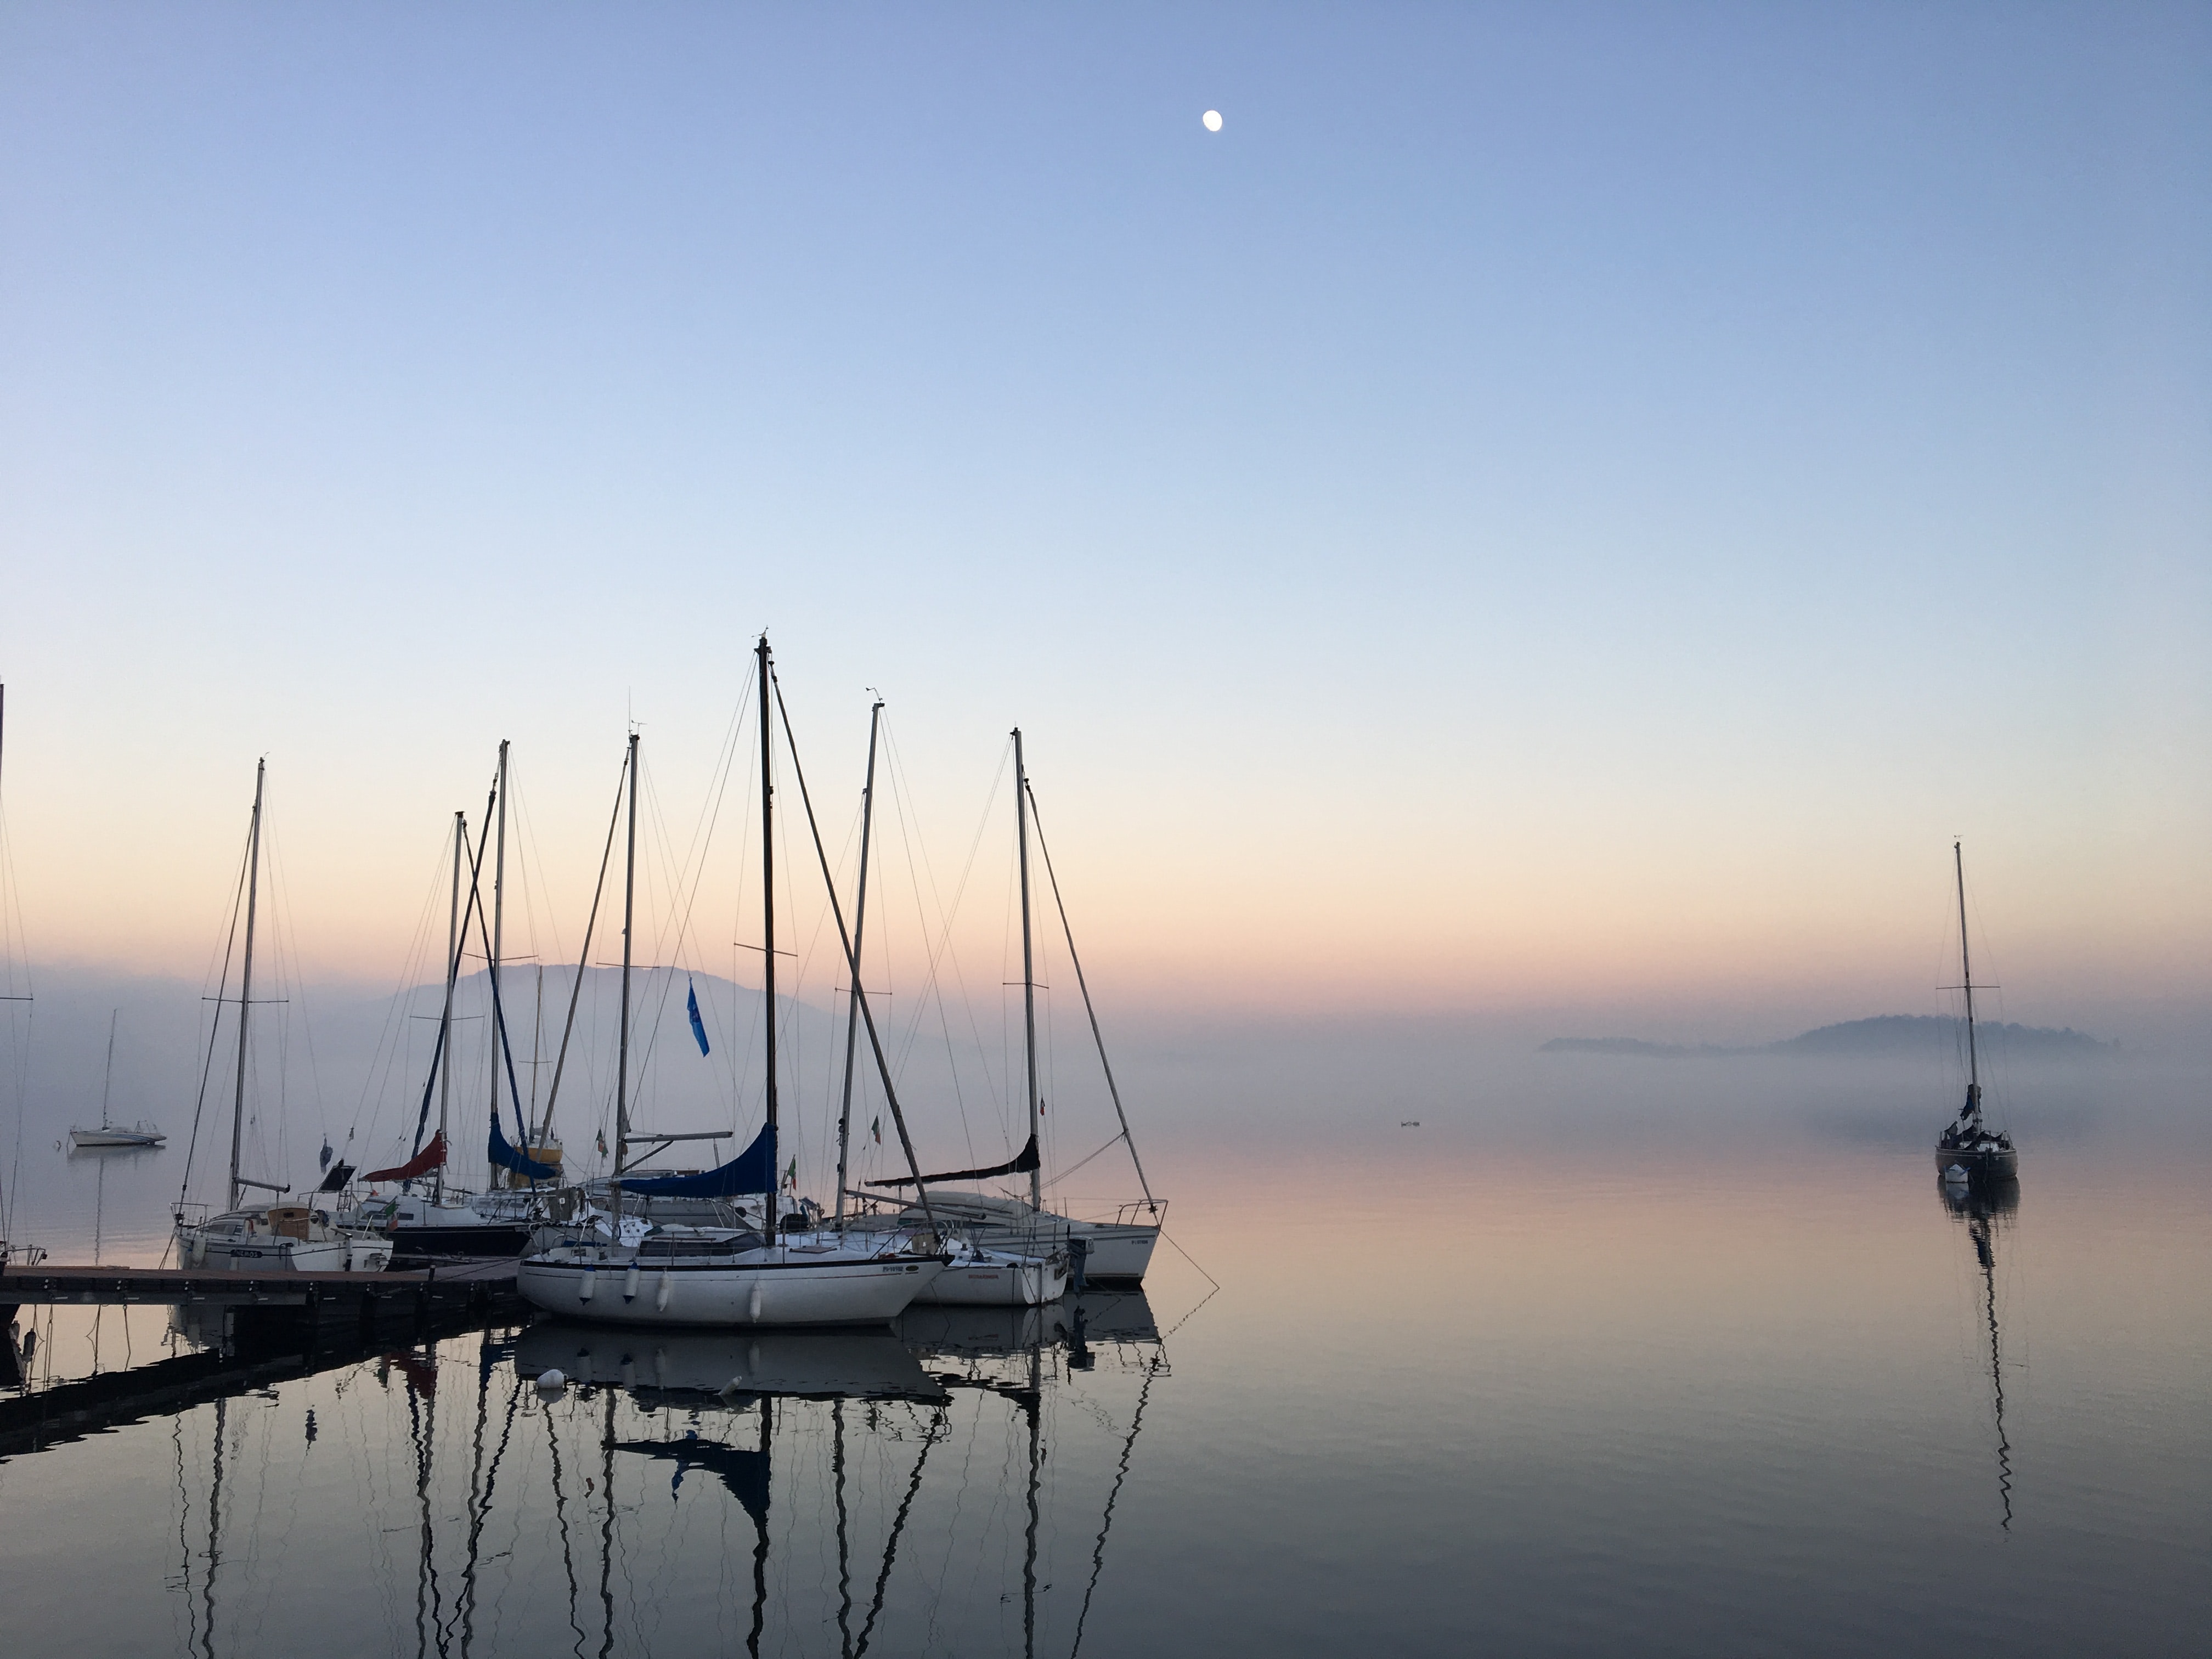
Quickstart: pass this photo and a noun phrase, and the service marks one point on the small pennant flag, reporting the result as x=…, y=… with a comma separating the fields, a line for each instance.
x=698, y=1027
x=876, y=1129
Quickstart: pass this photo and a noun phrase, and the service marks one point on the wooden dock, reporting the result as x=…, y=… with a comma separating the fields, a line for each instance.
x=474, y=1284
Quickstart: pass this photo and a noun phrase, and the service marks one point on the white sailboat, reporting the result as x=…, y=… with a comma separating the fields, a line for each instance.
x=141, y=1133
x=1008, y=1223
x=674, y=1274
x=268, y=1237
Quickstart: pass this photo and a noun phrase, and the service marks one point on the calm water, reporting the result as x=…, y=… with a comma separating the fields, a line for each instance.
x=1628, y=1360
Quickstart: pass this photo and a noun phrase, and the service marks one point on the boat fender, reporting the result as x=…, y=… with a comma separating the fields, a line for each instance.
x=753, y=1307
x=552, y=1381
x=587, y=1284
x=629, y=1284
x=667, y=1288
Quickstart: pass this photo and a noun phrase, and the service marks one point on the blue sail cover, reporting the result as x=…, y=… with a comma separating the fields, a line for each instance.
x=504, y=1156
x=752, y=1170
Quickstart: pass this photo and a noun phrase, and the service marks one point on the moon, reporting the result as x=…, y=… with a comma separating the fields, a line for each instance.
x=1211, y=120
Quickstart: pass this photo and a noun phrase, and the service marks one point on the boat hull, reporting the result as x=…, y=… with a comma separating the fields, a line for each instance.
x=85, y=1139
x=264, y=1254
x=1114, y=1251
x=2001, y=1163
x=768, y=1294
x=500, y=1239
x=993, y=1281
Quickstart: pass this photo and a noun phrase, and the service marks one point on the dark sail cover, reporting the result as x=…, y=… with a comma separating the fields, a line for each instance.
x=1021, y=1165
x=504, y=1156
x=341, y=1172
x=752, y=1170
x=431, y=1158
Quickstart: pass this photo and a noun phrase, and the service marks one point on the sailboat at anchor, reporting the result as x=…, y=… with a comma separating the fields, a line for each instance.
x=1969, y=1146
x=271, y=1236
x=672, y=1274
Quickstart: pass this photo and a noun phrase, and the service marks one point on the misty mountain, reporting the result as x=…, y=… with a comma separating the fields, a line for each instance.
x=1885, y=1036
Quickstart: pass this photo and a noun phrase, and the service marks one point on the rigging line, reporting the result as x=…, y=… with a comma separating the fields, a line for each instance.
x=214, y=1027
x=1187, y=1256
x=900, y=794
x=1105, y=1064
x=933, y=983
x=394, y=1029
x=852, y=960
x=1111, y=1142
x=1106, y=1520
x=929, y=1439
x=575, y=989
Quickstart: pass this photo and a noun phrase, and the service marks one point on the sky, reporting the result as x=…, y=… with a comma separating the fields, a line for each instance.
x=1561, y=510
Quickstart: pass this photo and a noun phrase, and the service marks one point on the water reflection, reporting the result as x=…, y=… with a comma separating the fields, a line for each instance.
x=948, y=1485
x=1986, y=1208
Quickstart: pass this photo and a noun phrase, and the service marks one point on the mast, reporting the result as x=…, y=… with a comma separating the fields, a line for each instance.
x=1966, y=976
x=1082, y=985
x=445, y=1018
x=768, y=935
x=246, y=978
x=498, y=885
x=1029, y=972
x=859, y=919
x=108, y=1076
x=621, y=1053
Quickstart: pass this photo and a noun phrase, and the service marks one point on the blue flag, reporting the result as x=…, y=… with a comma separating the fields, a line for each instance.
x=698, y=1029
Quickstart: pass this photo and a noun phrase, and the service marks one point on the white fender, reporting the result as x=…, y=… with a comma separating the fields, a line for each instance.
x=587, y=1284
x=667, y=1287
x=629, y=1284
x=755, y=1304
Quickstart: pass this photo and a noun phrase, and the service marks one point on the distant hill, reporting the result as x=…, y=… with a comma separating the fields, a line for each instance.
x=1887, y=1035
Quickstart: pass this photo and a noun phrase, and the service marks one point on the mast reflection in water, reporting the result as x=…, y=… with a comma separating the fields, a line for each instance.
x=1985, y=1207
x=946, y=1485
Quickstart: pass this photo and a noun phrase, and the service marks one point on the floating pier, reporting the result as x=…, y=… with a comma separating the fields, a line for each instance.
x=475, y=1284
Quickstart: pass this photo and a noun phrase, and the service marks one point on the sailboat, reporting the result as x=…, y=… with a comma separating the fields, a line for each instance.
x=139, y=1134
x=670, y=1273
x=975, y=1275
x=448, y=1220
x=269, y=1236
x=1968, y=1144
x=1120, y=1249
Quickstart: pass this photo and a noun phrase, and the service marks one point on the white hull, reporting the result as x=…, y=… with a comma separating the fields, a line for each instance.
x=247, y=1242
x=989, y=1279
x=782, y=1289
x=1116, y=1250
x=264, y=1254
x=83, y=1139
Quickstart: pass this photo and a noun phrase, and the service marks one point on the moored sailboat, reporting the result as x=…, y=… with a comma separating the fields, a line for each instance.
x=112, y=1134
x=1008, y=1223
x=1968, y=1143
x=267, y=1237
x=677, y=1274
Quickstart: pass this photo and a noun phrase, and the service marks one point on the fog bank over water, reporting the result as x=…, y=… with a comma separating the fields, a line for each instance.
x=335, y=1057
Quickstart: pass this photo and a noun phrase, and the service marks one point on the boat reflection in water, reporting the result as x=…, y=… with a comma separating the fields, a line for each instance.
x=1985, y=1207
x=919, y=1450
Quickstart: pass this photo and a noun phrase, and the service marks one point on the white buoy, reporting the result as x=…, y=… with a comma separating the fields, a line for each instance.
x=552, y=1381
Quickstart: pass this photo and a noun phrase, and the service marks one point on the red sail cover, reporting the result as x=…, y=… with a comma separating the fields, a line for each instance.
x=421, y=1164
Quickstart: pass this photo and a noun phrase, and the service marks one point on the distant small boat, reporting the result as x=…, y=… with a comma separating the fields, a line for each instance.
x=1969, y=1143
x=141, y=1133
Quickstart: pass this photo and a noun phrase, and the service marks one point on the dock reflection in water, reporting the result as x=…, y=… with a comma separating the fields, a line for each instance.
x=944, y=1488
